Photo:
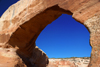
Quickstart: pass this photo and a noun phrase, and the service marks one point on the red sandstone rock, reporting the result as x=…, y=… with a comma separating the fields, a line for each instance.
x=61, y=63
x=69, y=62
x=22, y=22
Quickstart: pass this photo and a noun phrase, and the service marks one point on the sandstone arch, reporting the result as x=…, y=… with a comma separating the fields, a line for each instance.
x=21, y=24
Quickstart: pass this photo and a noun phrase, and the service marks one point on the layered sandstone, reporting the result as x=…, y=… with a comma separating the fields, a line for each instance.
x=22, y=22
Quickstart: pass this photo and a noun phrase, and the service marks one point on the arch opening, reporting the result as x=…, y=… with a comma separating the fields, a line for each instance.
x=34, y=26
x=65, y=38
x=23, y=39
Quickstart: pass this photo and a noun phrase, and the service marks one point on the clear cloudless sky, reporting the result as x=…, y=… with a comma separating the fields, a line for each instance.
x=63, y=38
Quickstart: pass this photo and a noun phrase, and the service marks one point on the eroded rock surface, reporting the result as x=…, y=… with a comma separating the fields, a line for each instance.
x=69, y=62
x=22, y=22
x=9, y=58
x=94, y=27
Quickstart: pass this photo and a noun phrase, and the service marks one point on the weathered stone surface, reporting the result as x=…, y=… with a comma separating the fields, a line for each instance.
x=9, y=58
x=69, y=62
x=39, y=58
x=93, y=25
x=22, y=22
x=61, y=63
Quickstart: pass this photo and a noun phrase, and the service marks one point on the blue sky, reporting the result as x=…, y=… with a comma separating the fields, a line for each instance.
x=63, y=38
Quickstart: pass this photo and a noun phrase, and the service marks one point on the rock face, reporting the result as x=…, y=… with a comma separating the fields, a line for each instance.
x=22, y=22
x=69, y=62
x=61, y=63
x=9, y=58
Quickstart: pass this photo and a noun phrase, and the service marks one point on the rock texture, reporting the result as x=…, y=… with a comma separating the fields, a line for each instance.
x=22, y=22
x=69, y=62
x=8, y=58
x=61, y=63
x=93, y=25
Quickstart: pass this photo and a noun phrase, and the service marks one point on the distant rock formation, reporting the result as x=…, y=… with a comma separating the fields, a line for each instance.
x=22, y=22
x=69, y=62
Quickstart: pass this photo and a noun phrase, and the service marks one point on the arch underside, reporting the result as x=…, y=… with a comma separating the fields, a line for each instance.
x=19, y=37
x=25, y=36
